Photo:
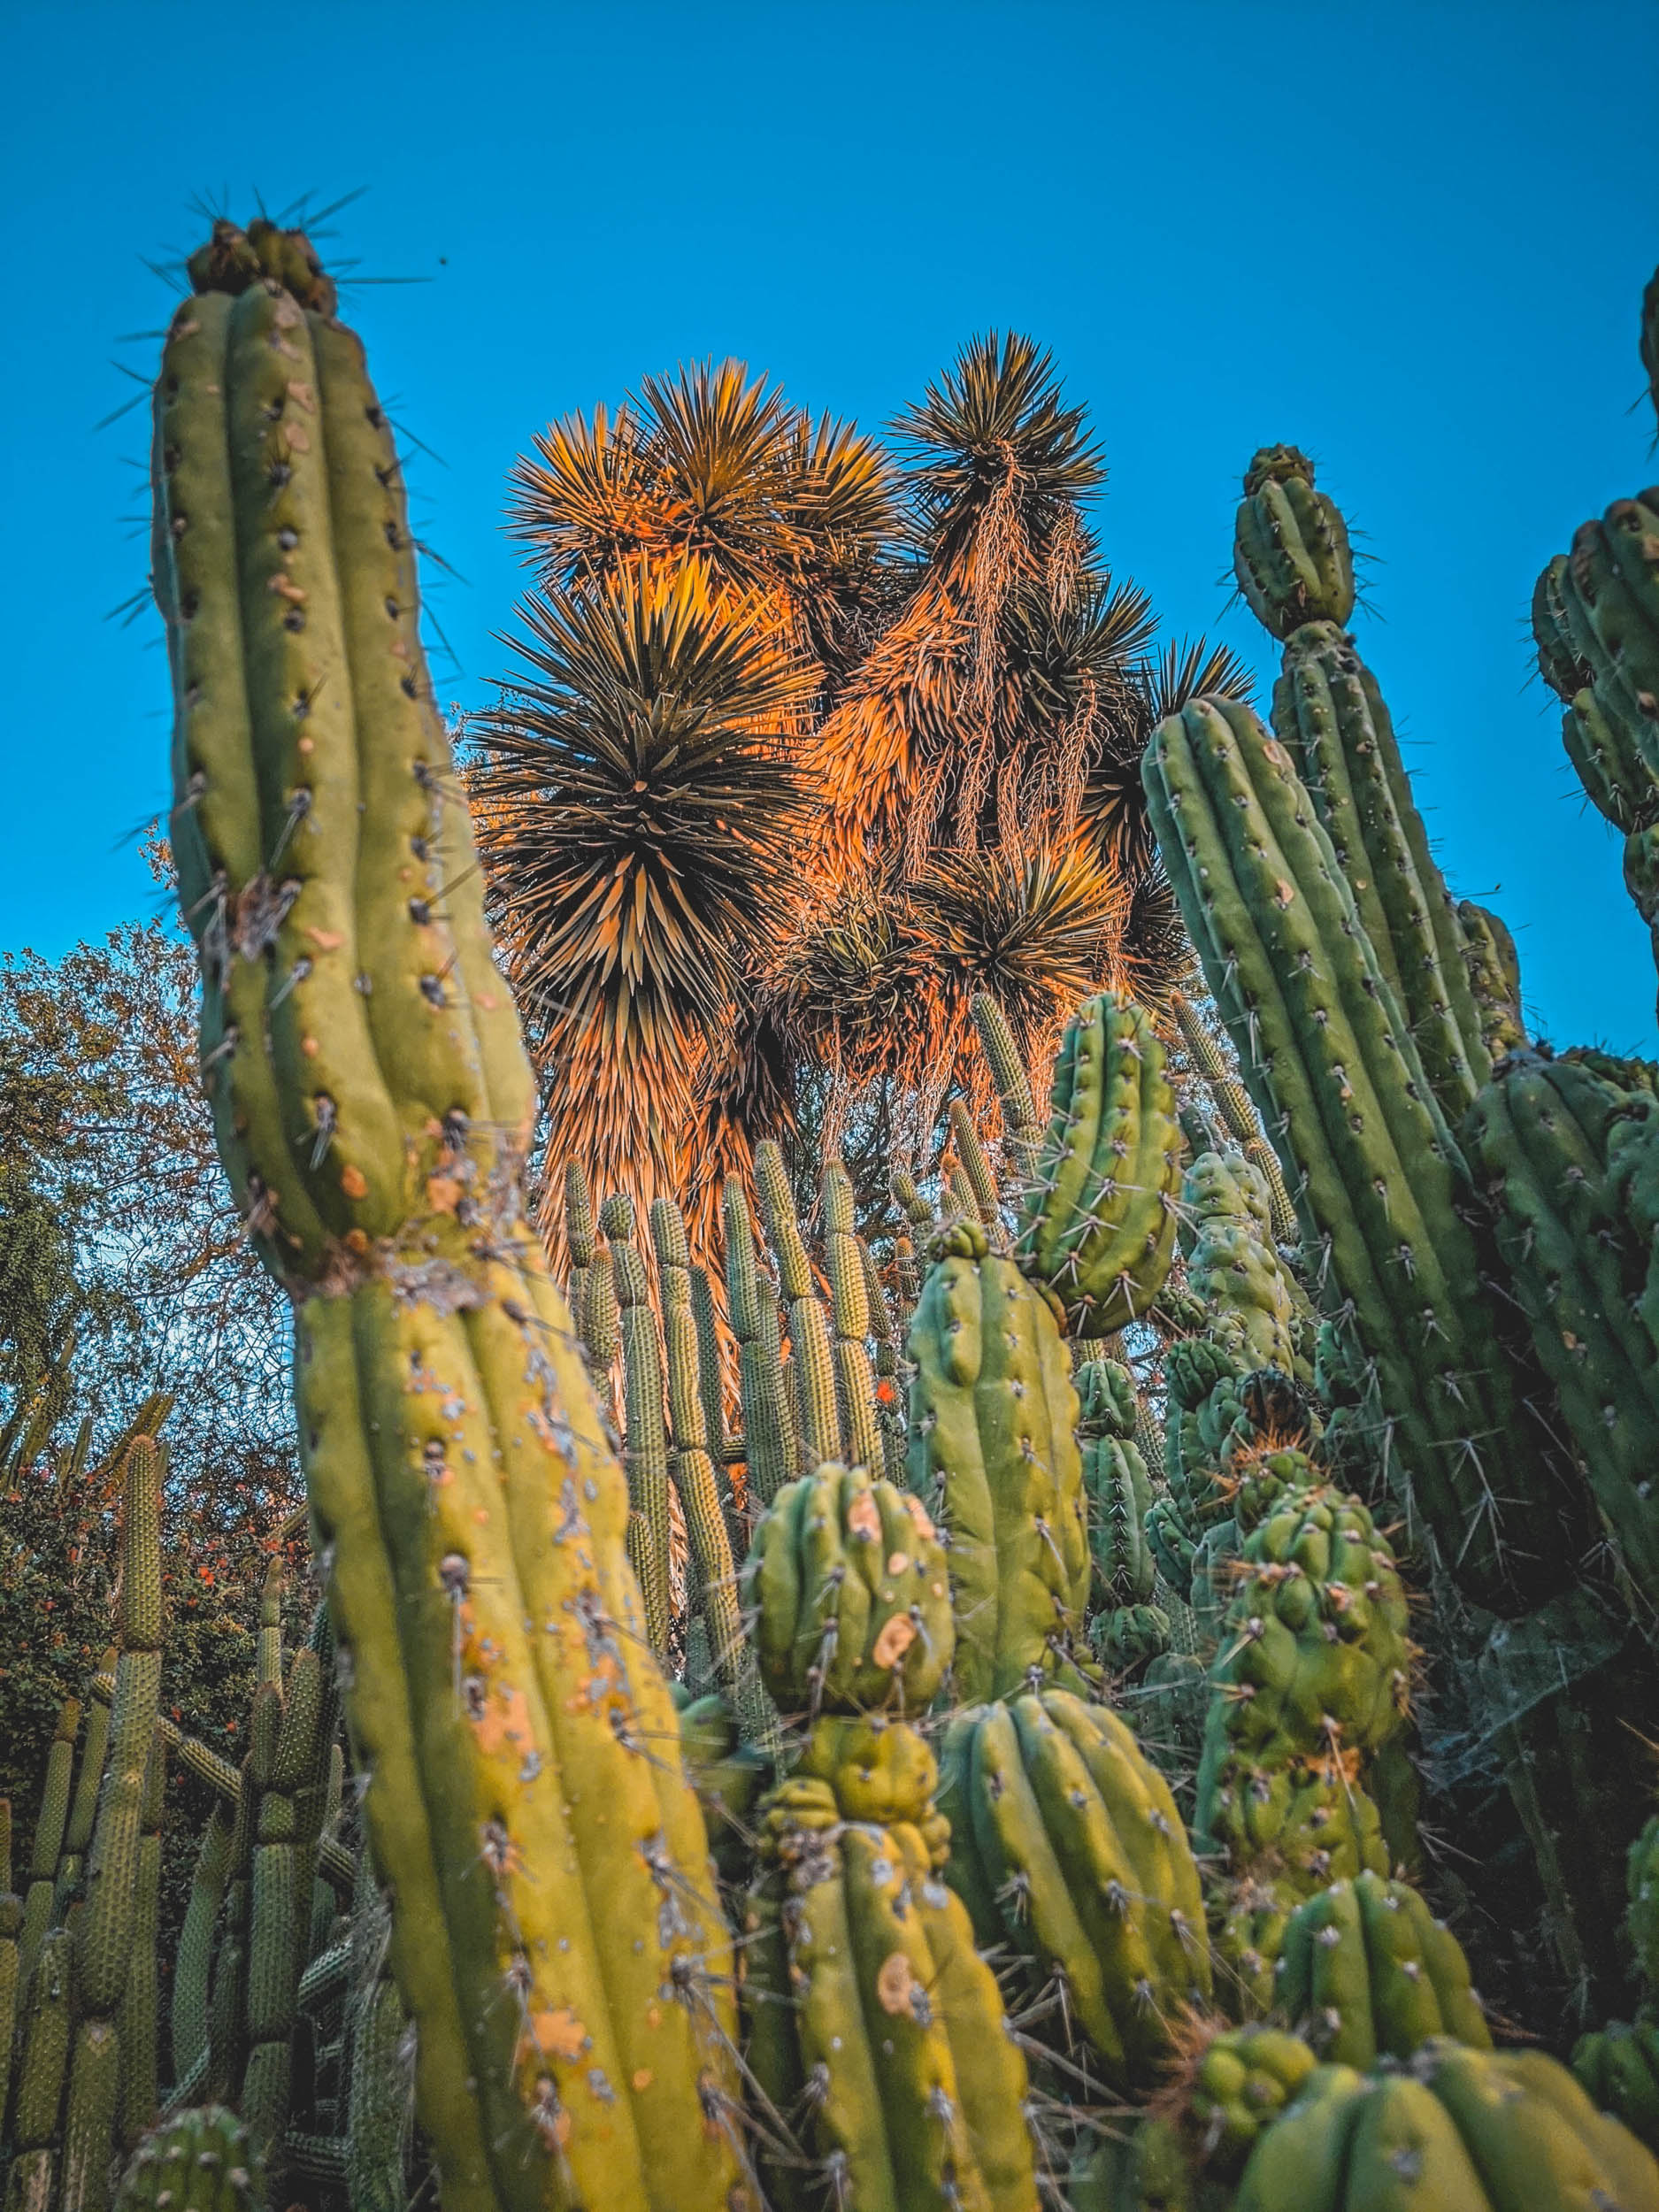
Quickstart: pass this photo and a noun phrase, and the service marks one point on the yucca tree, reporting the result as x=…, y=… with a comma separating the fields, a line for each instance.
x=640, y=805
x=982, y=763
x=783, y=515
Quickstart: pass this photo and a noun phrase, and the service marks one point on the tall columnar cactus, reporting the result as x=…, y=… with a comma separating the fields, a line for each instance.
x=1022, y=1129
x=10, y=1928
x=1256, y=1310
x=120, y=1869
x=1097, y=1222
x=1494, y=978
x=811, y=1365
x=769, y=1440
x=993, y=1456
x=1066, y=1845
x=1239, y=1116
x=47, y=1845
x=849, y=1320
x=1311, y=1682
x=373, y=1103
x=1546, y=1136
x=1378, y=1177
x=707, y=1521
x=645, y=1446
x=1331, y=717
x=872, y=2014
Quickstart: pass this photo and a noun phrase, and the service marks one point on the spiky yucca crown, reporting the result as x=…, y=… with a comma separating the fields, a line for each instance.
x=233, y=258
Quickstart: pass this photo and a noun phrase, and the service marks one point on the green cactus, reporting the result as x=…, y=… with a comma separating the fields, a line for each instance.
x=138, y=2021
x=43, y=2066
x=196, y=2162
x=373, y=1107
x=193, y=1963
x=889, y=1406
x=1097, y=1222
x=50, y=1827
x=1066, y=1845
x=1641, y=1914
x=993, y=1454
x=579, y=1240
x=849, y=1321
x=1618, y=2067
x=1290, y=550
x=811, y=1365
x=1494, y=978
x=1116, y=1482
x=1242, y=2080
x=1479, y=2130
x=1021, y=1130
x=1237, y=1113
x=1256, y=1309
x=854, y=1596
x=864, y=1982
x=769, y=1443
x=1331, y=717
x=708, y=1522
x=1313, y=1677
x=1378, y=1175
x=1545, y=1137
x=379, y=2101
x=10, y=1928
x=1365, y=1972
x=645, y=1445
x=728, y=1776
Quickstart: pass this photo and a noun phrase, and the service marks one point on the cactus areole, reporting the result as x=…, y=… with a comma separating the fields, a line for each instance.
x=555, y=1933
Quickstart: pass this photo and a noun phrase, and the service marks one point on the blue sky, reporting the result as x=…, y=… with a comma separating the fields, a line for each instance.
x=1411, y=239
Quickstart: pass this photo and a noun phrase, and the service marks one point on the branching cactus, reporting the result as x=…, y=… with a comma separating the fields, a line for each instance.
x=554, y=1932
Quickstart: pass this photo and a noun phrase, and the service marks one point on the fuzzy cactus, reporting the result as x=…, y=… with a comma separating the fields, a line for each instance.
x=1097, y=1221
x=993, y=1456
x=373, y=1105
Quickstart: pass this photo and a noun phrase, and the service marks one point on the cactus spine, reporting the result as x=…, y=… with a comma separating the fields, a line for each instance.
x=373, y=1104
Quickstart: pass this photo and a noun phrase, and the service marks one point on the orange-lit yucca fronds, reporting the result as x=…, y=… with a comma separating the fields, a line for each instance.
x=640, y=809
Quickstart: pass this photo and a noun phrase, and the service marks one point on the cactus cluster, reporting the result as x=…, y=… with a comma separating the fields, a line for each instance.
x=925, y=1719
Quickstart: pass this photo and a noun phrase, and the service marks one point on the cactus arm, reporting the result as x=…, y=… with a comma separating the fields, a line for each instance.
x=694, y=1467
x=852, y=1320
x=193, y=1965
x=768, y=1439
x=140, y=2007
x=1022, y=1131
x=810, y=1359
x=979, y=1184
x=645, y=1448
